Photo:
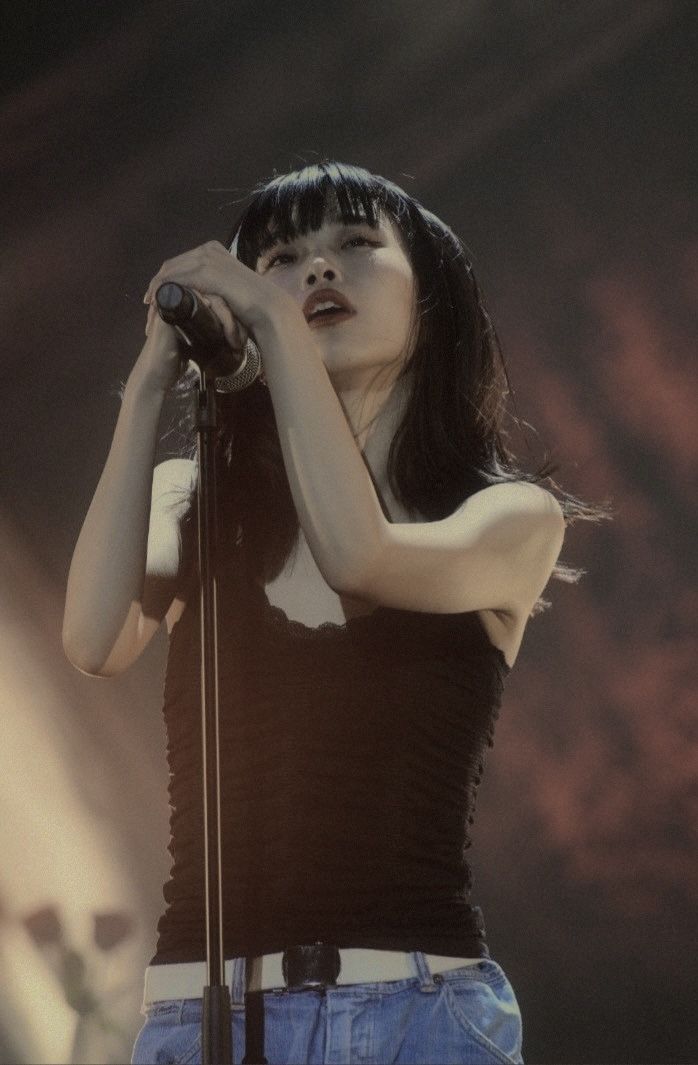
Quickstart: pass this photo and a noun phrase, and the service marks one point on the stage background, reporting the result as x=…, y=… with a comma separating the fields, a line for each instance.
x=557, y=139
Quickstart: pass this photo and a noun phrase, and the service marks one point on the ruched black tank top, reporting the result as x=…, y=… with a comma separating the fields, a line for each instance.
x=351, y=759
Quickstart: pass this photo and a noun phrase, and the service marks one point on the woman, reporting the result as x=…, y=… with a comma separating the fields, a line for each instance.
x=380, y=556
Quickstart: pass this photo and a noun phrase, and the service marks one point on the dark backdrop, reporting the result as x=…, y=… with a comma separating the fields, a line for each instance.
x=557, y=139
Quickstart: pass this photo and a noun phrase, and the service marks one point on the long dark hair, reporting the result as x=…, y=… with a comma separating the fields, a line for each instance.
x=450, y=442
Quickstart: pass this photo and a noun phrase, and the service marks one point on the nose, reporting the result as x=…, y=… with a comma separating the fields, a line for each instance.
x=319, y=270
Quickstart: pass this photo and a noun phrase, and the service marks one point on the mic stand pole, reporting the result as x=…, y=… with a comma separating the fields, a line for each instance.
x=216, y=1034
x=195, y=326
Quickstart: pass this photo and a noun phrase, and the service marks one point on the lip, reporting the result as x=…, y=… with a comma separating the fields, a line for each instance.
x=321, y=296
x=327, y=323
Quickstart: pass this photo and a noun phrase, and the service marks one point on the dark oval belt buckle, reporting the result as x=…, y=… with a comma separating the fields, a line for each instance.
x=313, y=967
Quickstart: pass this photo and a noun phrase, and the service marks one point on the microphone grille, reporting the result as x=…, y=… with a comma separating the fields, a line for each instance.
x=246, y=374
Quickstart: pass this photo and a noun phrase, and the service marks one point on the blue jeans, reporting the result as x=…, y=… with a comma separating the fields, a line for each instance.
x=468, y=1015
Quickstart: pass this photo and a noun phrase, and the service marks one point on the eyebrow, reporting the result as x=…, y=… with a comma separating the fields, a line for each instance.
x=277, y=236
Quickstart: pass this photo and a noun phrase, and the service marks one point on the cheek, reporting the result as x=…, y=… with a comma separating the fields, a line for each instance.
x=397, y=287
x=404, y=284
x=282, y=277
x=280, y=280
x=407, y=300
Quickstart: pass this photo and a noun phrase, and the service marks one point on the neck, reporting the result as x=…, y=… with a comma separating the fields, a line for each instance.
x=374, y=414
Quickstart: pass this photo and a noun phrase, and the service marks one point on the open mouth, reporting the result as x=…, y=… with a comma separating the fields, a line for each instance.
x=329, y=316
x=327, y=306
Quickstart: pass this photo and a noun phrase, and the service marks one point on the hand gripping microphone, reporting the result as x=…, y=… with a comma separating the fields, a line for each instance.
x=202, y=339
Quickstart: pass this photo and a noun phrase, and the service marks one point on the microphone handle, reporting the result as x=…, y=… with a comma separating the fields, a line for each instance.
x=200, y=332
x=203, y=341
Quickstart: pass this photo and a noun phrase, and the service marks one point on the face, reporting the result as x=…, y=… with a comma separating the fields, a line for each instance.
x=368, y=269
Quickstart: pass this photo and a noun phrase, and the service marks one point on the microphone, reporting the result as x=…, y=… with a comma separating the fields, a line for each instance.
x=202, y=339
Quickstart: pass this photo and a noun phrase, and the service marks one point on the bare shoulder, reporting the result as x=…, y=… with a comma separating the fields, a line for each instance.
x=174, y=481
x=530, y=519
x=522, y=500
x=173, y=484
x=526, y=521
x=519, y=520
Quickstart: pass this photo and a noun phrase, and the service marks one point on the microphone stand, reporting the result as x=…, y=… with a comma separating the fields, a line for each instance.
x=216, y=1035
x=195, y=327
x=216, y=1031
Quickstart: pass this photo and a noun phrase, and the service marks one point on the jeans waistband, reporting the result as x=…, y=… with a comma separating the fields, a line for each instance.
x=358, y=965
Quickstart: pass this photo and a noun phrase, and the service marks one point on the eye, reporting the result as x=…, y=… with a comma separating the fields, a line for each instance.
x=356, y=241
x=286, y=256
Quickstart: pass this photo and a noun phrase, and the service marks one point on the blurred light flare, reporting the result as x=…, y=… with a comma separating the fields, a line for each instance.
x=55, y=850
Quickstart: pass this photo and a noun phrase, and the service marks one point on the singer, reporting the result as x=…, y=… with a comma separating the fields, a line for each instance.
x=381, y=554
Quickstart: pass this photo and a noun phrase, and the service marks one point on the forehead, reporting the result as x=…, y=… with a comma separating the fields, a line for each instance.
x=291, y=216
x=277, y=234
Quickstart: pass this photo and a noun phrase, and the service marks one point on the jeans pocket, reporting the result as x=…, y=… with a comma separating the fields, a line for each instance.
x=485, y=1007
x=159, y=1043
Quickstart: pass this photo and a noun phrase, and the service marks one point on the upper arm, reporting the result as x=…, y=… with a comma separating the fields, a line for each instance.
x=162, y=591
x=496, y=552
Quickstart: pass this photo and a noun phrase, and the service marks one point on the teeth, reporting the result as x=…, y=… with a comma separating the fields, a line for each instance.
x=328, y=305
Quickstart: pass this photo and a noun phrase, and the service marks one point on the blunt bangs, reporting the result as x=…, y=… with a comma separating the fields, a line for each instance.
x=296, y=203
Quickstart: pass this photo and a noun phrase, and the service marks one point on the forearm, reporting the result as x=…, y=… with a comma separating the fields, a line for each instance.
x=108, y=564
x=334, y=496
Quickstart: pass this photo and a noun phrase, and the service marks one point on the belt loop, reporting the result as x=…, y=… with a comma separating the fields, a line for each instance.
x=237, y=990
x=426, y=980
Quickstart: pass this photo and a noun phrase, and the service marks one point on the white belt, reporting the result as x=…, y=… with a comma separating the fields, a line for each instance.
x=359, y=966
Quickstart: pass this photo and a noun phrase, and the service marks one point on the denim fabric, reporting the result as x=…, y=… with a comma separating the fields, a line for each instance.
x=468, y=1015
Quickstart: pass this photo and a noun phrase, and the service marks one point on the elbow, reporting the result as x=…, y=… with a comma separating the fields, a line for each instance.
x=79, y=663
x=99, y=653
x=337, y=560
x=356, y=577
x=75, y=654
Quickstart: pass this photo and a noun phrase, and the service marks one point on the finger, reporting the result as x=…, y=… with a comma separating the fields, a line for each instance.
x=180, y=276
x=185, y=267
x=231, y=327
x=152, y=311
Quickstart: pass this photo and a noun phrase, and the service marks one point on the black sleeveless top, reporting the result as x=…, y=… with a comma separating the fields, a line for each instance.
x=351, y=759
